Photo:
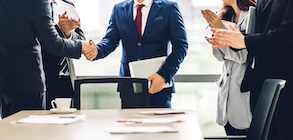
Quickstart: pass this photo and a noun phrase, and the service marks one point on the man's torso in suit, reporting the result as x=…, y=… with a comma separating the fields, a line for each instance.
x=164, y=25
x=24, y=26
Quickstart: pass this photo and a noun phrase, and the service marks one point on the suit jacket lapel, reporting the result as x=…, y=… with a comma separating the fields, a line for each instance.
x=268, y=2
x=152, y=15
x=129, y=12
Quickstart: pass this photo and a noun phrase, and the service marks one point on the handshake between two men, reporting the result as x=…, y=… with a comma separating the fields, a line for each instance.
x=67, y=24
x=89, y=50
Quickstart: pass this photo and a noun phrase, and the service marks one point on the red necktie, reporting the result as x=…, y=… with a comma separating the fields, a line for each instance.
x=138, y=19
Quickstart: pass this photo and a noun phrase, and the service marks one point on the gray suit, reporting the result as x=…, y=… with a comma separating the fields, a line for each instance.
x=233, y=105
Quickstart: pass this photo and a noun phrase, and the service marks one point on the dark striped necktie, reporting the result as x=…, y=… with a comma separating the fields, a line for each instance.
x=64, y=67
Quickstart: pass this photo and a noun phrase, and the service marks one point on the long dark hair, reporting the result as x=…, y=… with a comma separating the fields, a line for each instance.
x=227, y=12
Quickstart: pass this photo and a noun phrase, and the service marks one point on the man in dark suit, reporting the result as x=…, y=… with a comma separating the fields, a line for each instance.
x=59, y=70
x=24, y=27
x=161, y=23
x=270, y=52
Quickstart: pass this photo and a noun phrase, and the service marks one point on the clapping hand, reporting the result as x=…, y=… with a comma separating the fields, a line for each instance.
x=223, y=38
x=213, y=20
x=89, y=50
x=66, y=24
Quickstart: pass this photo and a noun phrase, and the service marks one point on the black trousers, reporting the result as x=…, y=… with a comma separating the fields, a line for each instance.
x=58, y=88
x=13, y=102
x=158, y=100
x=130, y=99
x=230, y=130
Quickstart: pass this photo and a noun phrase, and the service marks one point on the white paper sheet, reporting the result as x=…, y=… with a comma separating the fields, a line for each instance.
x=51, y=119
x=163, y=112
x=150, y=120
x=140, y=129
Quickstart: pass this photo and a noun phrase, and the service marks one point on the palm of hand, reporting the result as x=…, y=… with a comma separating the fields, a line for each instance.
x=213, y=20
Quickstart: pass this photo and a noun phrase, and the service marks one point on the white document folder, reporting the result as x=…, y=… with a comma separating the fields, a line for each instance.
x=145, y=68
x=250, y=26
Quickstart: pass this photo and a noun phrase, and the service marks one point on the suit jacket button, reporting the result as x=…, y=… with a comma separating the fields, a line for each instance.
x=138, y=44
x=227, y=74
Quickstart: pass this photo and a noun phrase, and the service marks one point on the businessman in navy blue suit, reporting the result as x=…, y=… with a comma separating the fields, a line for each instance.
x=162, y=34
x=25, y=26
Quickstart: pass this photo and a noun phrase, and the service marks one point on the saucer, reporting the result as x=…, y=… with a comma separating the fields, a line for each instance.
x=70, y=110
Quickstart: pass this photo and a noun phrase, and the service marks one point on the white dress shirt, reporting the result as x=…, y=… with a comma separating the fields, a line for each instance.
x=145, y=12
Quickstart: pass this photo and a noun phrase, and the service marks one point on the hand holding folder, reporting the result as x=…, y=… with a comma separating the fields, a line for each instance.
x=146, y=68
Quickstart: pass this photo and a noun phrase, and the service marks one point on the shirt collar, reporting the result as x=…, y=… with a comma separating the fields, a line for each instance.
x=146, y=3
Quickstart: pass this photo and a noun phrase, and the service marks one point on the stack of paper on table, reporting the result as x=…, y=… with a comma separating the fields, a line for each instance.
x=145, y=68
x=51, y=119
x=163, y=112
x=140, y=129
x=151, y=120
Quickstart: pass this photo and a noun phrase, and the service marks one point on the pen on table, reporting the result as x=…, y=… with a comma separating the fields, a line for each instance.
x=129, y=121
x=71, y=117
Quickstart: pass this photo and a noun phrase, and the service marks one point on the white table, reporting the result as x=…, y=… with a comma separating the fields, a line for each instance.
x=92, y=128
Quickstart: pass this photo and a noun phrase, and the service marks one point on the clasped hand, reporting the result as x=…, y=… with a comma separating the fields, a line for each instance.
x=66, y=24
x=89, y=50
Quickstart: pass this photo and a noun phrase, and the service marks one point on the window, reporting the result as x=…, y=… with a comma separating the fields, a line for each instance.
x=95, y=14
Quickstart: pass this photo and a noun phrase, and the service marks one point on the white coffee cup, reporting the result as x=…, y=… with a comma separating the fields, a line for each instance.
x=61, y=103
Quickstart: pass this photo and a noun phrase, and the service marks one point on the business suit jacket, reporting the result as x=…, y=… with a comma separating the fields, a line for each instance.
x=60, y=86
x=24, y=27
x=164, y=25
x=272, y=48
